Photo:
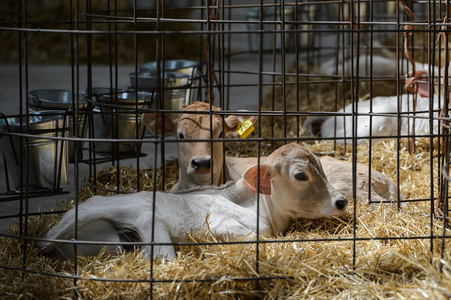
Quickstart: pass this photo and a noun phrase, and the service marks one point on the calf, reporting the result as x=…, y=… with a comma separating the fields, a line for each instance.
x=293, y=180
x=200, y=162
x=197, y=126
x=386, y=124
x=381, y=66
x=382, y=126
x=378, y=188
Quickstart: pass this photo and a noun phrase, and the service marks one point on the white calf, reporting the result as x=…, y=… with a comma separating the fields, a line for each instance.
x=341, y=126
x=197, y=160
x=292, y=179
x=382, y=66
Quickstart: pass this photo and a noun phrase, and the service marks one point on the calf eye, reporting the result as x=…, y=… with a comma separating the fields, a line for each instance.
x=300, y=176
x=180, y=136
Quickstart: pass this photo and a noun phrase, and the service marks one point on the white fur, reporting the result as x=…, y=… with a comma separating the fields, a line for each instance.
x=341, y=126
x=381, y=66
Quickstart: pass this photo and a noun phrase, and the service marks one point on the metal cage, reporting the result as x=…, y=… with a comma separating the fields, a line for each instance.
x=362, y=81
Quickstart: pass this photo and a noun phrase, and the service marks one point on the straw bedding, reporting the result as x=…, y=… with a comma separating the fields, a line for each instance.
x=315, y=268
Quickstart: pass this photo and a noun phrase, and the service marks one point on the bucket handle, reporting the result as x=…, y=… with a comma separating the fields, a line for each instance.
x=6, y=172
x=172, y=79
x=61, y=152
x=36, y=100
x=97, y=96
x=95, y=103
x=8, y=128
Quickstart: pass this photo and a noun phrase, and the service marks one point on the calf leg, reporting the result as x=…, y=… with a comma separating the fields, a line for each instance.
x=161, y=235
x=99, y=230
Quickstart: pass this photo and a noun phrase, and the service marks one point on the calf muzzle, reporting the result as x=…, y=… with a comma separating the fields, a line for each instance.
x=201, y=164
x=341, y=203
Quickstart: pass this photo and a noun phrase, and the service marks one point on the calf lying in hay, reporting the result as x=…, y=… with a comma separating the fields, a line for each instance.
x=384, y=125
x=200, y=161
x=292, y=184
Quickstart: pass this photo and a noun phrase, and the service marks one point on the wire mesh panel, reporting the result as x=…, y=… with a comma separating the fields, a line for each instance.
x=227, y=149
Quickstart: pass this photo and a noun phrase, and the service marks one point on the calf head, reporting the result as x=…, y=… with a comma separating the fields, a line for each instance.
x=199, y=159
x=299, y=188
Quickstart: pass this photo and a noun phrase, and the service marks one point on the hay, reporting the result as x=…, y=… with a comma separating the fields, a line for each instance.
x=125, y=179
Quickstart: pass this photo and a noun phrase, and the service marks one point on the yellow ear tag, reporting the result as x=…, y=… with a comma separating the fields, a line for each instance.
x=245, y=128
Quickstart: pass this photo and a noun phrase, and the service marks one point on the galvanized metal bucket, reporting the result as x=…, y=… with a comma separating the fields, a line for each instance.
x=43, y=161
x=175, y=88
x=115, y=117
x=55, y=99
x=188, y=67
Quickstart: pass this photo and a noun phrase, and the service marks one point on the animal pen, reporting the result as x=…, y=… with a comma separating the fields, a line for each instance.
x=294, y=65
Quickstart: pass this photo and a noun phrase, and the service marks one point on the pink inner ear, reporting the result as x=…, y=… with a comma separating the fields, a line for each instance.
x=249, y=187
x=265, y=182
x=250, y=179
x=423, y=88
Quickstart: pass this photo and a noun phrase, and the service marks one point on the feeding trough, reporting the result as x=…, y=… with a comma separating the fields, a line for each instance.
x=188, y=67
x=115, y=117
x=43, y=161
x=175, y=87
x=55, y=99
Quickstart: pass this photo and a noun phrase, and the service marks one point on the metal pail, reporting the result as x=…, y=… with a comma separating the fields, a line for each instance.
x=175, y=87
x=55, y=99
x=115, y=117
x=188, y=67
x=44, y=161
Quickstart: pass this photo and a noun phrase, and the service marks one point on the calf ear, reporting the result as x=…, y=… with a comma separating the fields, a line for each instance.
x=250, y=176
x=423, y=87
x=150, y=120
x=232, y=122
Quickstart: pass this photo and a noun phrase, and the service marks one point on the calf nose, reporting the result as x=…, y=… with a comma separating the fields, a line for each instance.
x=341, y=203
x=200, y=163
